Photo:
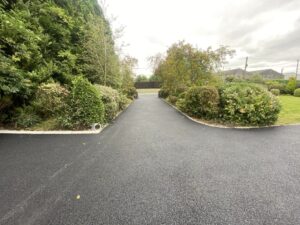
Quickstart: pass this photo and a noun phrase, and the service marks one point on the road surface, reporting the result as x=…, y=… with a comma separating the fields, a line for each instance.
x=152, y=166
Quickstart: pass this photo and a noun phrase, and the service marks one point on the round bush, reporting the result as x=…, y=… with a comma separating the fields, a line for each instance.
x=124, y=101
x=163, y=93
x=202, y=102
x=50, y=99
x=172, y=99
x=248, y=104
x=131, y=93
x=85, y=106
x=275, y=92
x=297, y=92
x=111, y=98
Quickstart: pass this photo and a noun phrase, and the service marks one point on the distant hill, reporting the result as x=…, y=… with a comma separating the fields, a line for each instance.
x=268, y=74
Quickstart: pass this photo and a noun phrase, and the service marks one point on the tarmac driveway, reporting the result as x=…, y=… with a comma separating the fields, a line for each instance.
x=152, y=166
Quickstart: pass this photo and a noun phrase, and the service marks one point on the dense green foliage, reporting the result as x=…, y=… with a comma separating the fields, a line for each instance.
x=46, y=41
x=84, y=107
x=163, y=93
x=291, y=85
x=113, y=101
x=248, y=104
x=275, y=92
x=141, y=78
x=201, y=102
x=297, y=92
x=50, y=99
x=185, y=65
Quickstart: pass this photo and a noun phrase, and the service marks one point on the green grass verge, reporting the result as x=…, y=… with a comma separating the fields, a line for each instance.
x=148, y=91
x=290, y=112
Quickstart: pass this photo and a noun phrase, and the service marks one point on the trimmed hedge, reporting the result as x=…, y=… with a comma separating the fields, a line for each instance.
x=201, y=101
x=297, y=92
x=248, y=104
x=84, y=105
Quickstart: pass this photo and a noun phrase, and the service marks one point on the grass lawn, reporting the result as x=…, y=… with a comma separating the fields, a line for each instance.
x=148, y=91
x=290, y=112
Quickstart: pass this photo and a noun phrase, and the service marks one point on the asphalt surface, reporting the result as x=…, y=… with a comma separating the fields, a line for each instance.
x=152, y=166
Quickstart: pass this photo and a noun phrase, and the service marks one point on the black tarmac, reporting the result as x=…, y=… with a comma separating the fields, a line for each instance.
x=152, y=166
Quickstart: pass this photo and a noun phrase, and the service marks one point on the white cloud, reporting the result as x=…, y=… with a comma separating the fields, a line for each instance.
x=262, y=30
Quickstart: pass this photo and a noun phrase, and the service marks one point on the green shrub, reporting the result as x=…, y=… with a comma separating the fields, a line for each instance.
x=111, y=98
x=271, y=84
x=248, y=104
x=124, y=101
x=275, y=92
x=5, y=102
x=202, y=102
x=172, y=99
x=50, y=99
x=180, y=89
x=25, y=117
x=131, y=93
x=84, y=107
x=163, y=93
x=291, y=85
x=297, y=92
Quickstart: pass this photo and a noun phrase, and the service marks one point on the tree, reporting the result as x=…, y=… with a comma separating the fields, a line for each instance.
x=127, y=73
x=185, y=65
x=291, y=85
x=141, y=78
x=53, y=40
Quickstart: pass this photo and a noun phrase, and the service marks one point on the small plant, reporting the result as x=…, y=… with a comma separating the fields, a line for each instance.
x=297, y=92
x=202, y=102
x=275, y=92
x=248, y=104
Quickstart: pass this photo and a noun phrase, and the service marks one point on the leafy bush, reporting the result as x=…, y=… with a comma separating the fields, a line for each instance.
x=50, y=99
x=163, y=93
x=247, y=104
x=297, y=92
x=202, y=102
x=25, y=117
x=275, y=92
x=131, y=93
x=271, y=84
x=291, y=85
x=172, y=99
x=5, y=102
x=124, y=101
x=111, y=98
x=84, y=107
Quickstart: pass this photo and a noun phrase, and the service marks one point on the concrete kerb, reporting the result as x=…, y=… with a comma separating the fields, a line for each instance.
x=219, y=125
x=92, y=131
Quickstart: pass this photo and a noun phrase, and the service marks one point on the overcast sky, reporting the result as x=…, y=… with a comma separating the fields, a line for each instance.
x=268, y=31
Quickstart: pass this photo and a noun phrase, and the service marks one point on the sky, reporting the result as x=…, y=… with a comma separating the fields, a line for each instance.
x=266, y=31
